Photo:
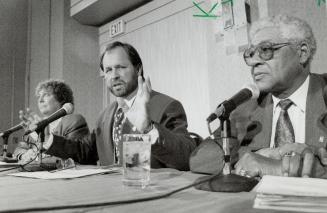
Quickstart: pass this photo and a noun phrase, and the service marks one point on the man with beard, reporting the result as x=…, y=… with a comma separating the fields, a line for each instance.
x=138, y=109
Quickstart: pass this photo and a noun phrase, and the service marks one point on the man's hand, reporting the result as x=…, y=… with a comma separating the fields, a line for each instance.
x=138, y=114
x=298, y=160
x=278, y=153
x=273, y=153
x=28, y=118
x=298, y=148
x=28, y=156
x=253, y=165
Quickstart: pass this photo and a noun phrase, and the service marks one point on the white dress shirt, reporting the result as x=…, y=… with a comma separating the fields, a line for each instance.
x=296, y=113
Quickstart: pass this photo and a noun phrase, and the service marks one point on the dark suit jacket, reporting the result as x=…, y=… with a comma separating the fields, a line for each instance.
x=172, y=150
x=252, y=125
x=71, y=126
x=259, y=126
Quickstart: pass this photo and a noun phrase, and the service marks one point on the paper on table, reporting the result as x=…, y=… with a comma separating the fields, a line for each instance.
x=68, y=173
x=293, y=186
x=292, y=194
x=8, y=164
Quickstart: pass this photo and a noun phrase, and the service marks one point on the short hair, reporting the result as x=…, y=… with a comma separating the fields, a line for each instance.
x=292, y=28
x=62, y=92
x=133, y=55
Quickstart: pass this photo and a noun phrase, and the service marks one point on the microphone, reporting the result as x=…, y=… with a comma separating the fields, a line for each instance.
x=5, y=136
x=66, y=109
x=11, y=130
x=248, y=92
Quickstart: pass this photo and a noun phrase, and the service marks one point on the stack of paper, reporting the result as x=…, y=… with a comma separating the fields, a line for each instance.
x=292, y=194
x=66, y=174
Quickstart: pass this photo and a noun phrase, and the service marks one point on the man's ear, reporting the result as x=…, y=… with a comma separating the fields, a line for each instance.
x=140, y=71
x=304, y=53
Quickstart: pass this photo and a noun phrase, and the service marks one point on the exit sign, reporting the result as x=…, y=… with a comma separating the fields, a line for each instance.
x=116, y=28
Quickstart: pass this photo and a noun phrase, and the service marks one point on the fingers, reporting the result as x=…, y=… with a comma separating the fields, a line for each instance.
x=292, y=147
x=148, y=84
x=286, y=160
x=270, y=153
x=245, y=166
x=322, y=154
x=308, y=162
x=246, y=173
x=291, y=164
x=295, y=163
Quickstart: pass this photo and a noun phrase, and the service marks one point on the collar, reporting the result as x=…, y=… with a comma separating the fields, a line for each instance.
x=125, y=104
x=299, y=97
x=130, y=102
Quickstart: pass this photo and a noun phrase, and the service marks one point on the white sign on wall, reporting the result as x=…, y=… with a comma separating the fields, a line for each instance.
x=116, y=28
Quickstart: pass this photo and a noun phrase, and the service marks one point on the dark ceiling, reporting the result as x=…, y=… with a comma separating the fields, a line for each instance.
x=103, y=11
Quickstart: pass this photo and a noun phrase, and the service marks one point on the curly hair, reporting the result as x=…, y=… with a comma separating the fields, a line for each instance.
x=62, y=92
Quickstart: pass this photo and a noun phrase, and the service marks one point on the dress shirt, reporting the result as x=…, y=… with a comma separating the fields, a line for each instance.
x=296, y=113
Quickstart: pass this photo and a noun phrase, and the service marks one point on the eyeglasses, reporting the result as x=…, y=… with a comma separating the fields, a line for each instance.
x=265, y=50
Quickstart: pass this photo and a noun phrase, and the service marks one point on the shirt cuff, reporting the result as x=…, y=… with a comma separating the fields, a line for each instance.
x=154, y=135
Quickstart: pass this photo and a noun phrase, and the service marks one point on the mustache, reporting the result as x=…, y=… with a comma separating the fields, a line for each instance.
x=117, y=82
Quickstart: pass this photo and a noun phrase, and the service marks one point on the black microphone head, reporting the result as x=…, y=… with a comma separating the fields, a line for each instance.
x=68, y=107
x=248, y=92
x=254, y=90
x=211, y=117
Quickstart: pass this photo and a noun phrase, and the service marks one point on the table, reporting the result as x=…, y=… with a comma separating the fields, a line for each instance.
x=17, y=193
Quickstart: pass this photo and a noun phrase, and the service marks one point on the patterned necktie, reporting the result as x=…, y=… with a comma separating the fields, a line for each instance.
x=117, y=133
x=284, y=129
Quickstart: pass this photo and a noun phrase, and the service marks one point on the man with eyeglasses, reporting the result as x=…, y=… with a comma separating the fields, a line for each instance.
x=285, y=133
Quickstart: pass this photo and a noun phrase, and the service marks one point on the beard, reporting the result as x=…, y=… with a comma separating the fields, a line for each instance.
x=122, y=89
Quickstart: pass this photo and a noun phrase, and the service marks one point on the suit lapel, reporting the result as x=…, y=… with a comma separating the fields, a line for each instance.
x=315, y=110
x=263, y=120
x=104, y=141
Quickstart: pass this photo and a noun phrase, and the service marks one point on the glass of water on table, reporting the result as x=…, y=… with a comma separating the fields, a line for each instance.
x=136, y=160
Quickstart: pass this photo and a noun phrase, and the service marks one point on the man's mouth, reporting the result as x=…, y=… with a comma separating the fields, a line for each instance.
x=117, y=85
x=259, y=75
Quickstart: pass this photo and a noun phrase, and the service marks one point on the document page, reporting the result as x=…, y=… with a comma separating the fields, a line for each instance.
x=64, y=174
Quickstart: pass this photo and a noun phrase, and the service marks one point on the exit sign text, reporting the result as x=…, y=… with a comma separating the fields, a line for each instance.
x=116, y=28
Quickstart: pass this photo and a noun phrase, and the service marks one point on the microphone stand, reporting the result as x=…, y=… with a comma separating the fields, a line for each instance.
x=227, y=182
x=41, y=138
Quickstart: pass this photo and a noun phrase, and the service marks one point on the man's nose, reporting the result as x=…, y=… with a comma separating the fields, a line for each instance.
x=115, y=74
x=253, y=60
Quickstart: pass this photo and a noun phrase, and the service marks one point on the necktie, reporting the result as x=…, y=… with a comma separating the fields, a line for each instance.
x=117, y=133
x=284, y=129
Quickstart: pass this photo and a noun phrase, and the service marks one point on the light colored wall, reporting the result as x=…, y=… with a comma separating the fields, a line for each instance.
x=182, y=56
x=62, y=48
x=80, y=65
x=39, y=48
x=13, y=44
x=188, y=59
x=172, y=45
